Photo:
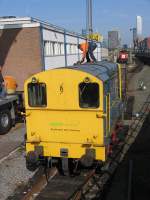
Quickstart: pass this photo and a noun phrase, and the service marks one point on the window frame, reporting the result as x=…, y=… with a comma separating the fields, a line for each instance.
x=53, y=48
x=37, y=106
x=91, y=107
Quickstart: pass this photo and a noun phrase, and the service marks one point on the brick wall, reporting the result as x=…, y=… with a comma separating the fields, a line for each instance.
x=20, y=53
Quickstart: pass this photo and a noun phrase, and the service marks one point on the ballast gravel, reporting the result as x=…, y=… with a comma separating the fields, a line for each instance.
x=13, y=173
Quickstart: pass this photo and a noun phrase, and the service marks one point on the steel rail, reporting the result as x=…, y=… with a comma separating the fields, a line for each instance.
x=90, y=191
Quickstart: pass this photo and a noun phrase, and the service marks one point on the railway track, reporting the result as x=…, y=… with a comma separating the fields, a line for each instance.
x=11, y=153
x=99, y=182
x=10, y=148
x=89, y=185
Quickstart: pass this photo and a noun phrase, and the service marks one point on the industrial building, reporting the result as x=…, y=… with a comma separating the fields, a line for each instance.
x=139, y=25
x=28, y=46
x=113, y=40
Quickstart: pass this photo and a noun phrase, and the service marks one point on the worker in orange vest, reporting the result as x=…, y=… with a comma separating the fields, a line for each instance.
x=87, y=48
x=84, y=48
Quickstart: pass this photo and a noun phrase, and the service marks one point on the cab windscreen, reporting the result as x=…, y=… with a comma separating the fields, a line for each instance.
x=37, y=94
x=89, y=95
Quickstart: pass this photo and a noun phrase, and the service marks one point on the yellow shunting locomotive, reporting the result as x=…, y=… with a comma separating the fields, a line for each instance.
x=70, y=114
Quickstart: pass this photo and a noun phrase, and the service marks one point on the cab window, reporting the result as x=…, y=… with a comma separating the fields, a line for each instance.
x=37, y=94
x=89, y=95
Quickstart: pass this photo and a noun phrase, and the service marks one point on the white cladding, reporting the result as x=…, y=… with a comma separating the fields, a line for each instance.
x=60, y=47
x=56, y=43
x=139, y=26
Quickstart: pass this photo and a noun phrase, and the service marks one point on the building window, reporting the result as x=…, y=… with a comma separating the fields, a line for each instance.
x=75, y=48
x=89, y=95
x=62, y=48
x=37, y=94
x=53, y=48
x=59, y=48
x=49, y=48
x=46, y=48
x=71, y=48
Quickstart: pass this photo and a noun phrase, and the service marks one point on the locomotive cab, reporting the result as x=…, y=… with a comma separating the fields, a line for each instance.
x=123, y=57
x=70, y=113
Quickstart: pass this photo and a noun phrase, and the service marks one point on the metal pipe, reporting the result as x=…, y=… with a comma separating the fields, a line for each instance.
x=89, y=17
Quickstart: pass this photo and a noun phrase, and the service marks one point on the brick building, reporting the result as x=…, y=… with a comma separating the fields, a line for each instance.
x=28, y=46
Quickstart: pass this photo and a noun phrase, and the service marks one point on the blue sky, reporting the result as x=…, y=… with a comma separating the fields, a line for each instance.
x=71, y=14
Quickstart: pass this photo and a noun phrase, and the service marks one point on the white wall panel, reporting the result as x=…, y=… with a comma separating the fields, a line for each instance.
x=72, y=51
x=54, y=62
x=59, y=61
x=71, y=39
x=71, y=59
x=52, y=36
x=81, y=40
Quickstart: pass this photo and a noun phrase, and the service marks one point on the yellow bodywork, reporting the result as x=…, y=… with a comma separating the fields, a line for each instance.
x=62, y=123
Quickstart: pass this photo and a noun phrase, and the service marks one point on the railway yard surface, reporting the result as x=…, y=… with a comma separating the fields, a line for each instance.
x=13, y=172
x=11, y=141
x=130, y=180
x=74, y=104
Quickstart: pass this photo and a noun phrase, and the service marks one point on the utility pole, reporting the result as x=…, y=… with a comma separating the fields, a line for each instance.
x=89, y=28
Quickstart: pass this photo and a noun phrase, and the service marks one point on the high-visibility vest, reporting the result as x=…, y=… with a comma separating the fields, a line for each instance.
x=84, y=48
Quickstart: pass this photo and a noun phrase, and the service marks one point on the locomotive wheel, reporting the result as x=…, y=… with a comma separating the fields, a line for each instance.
x=31, y=167
x=5, y=121
x=32, y=162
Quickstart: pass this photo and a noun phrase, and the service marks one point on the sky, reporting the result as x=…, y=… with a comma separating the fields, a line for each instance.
x=71, y=14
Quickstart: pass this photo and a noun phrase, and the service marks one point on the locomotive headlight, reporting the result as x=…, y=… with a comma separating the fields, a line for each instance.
x=34, y=80
x=87, y=80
